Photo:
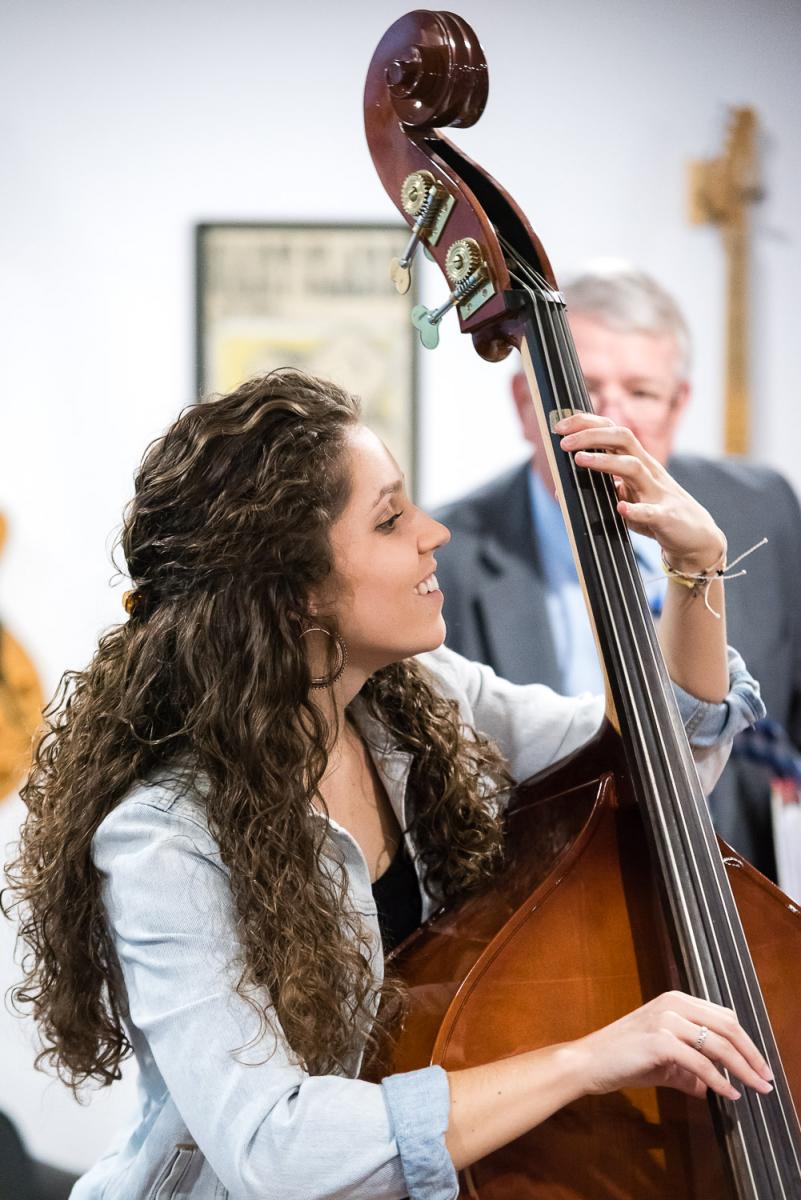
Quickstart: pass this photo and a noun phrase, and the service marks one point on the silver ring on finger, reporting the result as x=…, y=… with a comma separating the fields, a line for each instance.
x=703, y=1034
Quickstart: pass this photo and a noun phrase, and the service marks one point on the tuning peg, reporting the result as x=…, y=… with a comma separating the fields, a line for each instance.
x=399, y=272
x=422, y=319
x=420, y=197
x=465, y=268
x=427, y=320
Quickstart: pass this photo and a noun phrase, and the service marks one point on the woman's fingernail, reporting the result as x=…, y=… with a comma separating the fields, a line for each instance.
x=568, y=441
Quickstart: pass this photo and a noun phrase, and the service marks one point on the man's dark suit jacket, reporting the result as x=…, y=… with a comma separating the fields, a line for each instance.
x=492, y=579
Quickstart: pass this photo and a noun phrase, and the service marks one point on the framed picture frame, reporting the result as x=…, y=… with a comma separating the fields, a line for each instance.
x=317, y=297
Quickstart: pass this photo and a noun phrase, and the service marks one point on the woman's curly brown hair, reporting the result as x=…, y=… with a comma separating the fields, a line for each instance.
x=227, y=534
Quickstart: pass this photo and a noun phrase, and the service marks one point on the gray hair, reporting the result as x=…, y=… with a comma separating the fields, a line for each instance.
x=626, y=299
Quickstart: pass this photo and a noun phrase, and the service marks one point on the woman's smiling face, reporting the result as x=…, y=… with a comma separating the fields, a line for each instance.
x=382, y=595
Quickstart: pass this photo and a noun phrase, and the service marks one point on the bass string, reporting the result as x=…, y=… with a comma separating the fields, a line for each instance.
x=612, y=529
x=682, y=814
x=597, y=486
x=605, y=577
x=739, y=984
x=695, y=826
x=605, y=498
x=698, y=806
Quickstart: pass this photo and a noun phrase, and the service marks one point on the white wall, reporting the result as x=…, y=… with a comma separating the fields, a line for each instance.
x=123, y=124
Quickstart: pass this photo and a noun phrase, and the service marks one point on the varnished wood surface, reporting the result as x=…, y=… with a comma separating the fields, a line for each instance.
x=572, y=939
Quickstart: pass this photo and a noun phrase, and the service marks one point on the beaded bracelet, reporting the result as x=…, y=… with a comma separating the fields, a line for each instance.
x=700, y=583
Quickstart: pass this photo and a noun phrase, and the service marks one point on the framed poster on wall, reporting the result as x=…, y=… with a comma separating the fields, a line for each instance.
x=316, y=297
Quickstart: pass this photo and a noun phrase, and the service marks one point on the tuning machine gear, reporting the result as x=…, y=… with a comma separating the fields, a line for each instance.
x=462, y=259
x=423, y=198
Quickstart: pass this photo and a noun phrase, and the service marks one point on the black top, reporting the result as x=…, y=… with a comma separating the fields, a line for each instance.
x=398, y=900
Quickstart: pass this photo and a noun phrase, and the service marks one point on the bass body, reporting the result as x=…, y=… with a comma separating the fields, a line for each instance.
x=570, y=937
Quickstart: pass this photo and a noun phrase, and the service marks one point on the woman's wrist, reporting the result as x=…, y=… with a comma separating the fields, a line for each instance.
x=708, y=560
x=573, y=1065
x=493, y=1104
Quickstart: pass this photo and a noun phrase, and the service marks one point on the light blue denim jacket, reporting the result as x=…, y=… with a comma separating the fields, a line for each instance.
x=217, y=1121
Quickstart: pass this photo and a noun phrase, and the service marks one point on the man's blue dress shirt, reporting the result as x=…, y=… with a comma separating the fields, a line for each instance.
x=576, y=654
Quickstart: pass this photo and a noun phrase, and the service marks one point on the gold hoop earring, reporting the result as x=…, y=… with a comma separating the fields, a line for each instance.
x=326, y=681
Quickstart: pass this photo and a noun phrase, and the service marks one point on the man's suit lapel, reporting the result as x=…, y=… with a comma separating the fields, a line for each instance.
x=511, y=595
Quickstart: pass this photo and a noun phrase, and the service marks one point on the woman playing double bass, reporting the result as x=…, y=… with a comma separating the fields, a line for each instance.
x=272, y=771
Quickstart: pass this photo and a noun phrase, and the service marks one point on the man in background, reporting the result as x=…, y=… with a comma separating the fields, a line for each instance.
x=512, y=597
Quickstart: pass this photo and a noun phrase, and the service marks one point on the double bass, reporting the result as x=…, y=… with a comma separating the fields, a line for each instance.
x=615, y=887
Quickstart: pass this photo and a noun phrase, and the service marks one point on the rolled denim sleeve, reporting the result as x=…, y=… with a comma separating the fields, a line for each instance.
x=419, y=1105
x=711, y=728
x=534, y=727
x=707, y=723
